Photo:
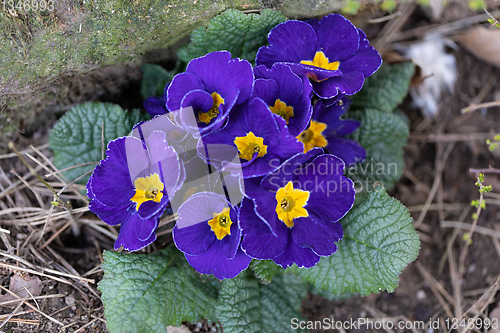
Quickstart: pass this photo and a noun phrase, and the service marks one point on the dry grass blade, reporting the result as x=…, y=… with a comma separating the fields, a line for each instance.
x=33, y=307
x=69, y=168
x=485, y=300
x=452, y=137
x=2, y=317
x=445, y=29
x=468, y=226
x=60, y=230
x=440, y=164
x=437, y=289
x=16, y=185
x=474, y=107
x=81, y=329
x=76, y=229
x=61, y=178
x=16, y=268
x=497, y=246
x=13, y=312
x=24, y=151
x=37, y=195
x=455, y=281
x=33, y=216
x=36, y=297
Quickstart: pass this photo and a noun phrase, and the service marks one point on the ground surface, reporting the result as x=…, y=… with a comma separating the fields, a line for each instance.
x=437, y=187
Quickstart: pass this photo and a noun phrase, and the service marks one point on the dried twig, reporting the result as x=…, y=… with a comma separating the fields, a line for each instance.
x=437, y=289
x=453, y=137
x=13, y=312
x=24, y=151
x=76, y=228
x=78, y=278
x=486, y=299
x=456, y=283
x=25, y=301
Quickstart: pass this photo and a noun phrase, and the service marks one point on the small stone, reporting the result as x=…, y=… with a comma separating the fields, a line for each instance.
x=181, y=329
x=70, y=300
x=495, y=317
x=421, y=295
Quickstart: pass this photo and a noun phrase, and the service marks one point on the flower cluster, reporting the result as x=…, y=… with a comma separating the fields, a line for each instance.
x=251, y=159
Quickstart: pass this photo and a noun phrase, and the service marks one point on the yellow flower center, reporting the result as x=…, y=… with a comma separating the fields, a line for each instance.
x=321, y=61
x=313, y=137
x=206, y=117
x=146, y=189
x=281, y=109
x=249, y=145
x=221, y=224
x=290, y=204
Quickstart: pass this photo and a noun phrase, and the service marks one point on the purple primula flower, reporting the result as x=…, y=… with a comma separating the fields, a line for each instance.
x=292, y=215
x=208, y=233
x=132, y=186
x=286, y=94
x=332, y=52
x=203, y=96
x=329, y=131
x=258, y=137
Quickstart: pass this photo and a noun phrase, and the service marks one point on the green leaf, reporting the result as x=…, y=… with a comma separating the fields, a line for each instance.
x=239, y=33
x=385, y=89
x=147, y=293
x=388, y=5
x=265, y=270
x=476, y=5
x=383, y=135
x=247, y=306
x=154, y=80
x=329, y=296
x=77, y=137
x=351, y=7
x=379, y=242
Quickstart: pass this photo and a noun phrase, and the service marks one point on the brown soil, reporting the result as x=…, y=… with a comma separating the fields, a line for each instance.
x=416, y=299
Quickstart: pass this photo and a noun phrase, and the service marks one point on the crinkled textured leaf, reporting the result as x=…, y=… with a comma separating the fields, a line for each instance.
x=147, y=293
x=383, y=135
x=154, y=80
x=77, y=136
x=245, y=305
x=265, y=270
x=385, y=89
x=239, y=33
x=379, y=242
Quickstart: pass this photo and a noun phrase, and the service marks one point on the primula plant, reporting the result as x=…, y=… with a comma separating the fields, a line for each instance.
x=275, y=175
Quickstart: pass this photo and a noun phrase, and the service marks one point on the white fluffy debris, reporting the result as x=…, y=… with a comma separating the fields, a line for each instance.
x=439, y=72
